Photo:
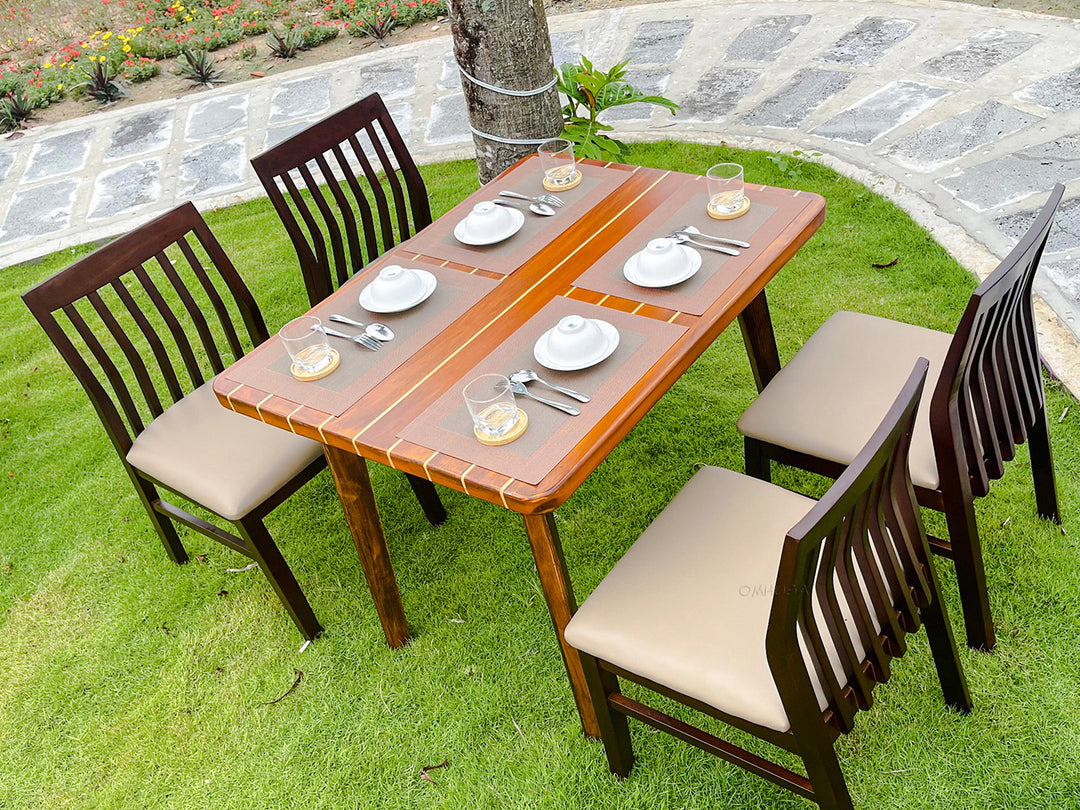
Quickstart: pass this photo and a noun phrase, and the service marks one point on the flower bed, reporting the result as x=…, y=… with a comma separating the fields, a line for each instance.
x=48, y=49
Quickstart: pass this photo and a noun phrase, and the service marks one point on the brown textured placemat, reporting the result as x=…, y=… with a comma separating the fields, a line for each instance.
x=771, y=209
x=507, y=256
x=447, y=427
x=267, y=367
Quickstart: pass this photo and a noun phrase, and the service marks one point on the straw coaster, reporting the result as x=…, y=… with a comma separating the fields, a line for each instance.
x=515, y=433
x=742, y=209
x=304, y=376
x=565, y=186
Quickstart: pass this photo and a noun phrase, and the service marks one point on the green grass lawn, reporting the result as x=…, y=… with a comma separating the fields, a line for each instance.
x=129, y=682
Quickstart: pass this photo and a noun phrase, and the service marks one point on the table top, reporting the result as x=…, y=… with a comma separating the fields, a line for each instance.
x=402, y=406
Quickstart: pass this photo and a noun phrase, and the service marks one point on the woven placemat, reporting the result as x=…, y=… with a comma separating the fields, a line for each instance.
x=447, y=427
x=267, y=367
x=771, y=210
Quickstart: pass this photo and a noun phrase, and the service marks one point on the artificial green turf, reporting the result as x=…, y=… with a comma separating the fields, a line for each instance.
x=126, y=681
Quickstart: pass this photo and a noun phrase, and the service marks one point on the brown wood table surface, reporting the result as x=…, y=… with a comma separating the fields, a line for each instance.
x=370, y=428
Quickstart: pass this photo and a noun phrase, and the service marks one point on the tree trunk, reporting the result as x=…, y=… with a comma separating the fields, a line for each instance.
x=505, y=43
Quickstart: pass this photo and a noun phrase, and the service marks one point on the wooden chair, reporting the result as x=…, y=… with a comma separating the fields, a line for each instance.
x=389, y=197
x=771, y=612
x=146, y=321
x=987, y=399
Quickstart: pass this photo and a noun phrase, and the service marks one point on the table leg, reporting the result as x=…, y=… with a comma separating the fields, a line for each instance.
x=559, y=593
x=362, y=514
x=760, y=340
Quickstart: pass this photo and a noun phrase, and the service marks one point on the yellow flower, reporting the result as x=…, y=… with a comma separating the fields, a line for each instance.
x=187, y=18
x=106, y=35
x=47, y=65
x=127, y=48
x=60, y=86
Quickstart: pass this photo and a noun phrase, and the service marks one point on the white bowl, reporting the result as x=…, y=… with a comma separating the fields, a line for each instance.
x=573, y=339
x=488, y=221
x=394, y=286
x=661, y=260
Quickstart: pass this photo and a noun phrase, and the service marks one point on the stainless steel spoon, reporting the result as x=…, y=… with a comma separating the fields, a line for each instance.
x=543, y=209
x=723, y=240
x=682, y=237
x=362, y=340
x=379, y=331
x=548, y=199
x=528, y=375
x=520, y=390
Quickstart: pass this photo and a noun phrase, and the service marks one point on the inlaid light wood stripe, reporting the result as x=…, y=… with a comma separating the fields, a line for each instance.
x=324, y=421
x=673, y=317
x=427, y=474
x=389, y=450
x=510, y=306
x=502, y=491
x=258, y=408
x=464, y=485
x=798, y=191
x=634, y=311
x=600, y=303
x=228, y=396
x=288, y=419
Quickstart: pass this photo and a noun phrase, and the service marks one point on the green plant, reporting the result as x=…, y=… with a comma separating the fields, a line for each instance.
x=315, y=35
x=247, y=53
x=199, y=67
x=141, y=69
x=284, y=44
x=792, y=168
x=377, y=24
x=101, y=84
x=589, y=92
x=15, y=110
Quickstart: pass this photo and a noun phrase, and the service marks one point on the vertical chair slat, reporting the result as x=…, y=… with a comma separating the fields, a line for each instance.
x=131, y=354
x=363, y=205
x=216, y=302
x=377, y=192
x=330, y=229
x=870, y=591
x=314, y=238
x=194, y=313
x=152, y=339
x=345, y=208
x=112, y=373
x=395, y=185
x=176, y=329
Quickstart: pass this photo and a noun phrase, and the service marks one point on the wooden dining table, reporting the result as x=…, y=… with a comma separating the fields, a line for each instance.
x=402, y=406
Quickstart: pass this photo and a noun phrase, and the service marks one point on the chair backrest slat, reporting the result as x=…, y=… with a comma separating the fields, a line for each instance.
x=866, y=535
x=138, y=367
x=387, y=191
x=360, y=202
x=165, y=280
x=151, y=337
x=989, y=392
x=108, y=367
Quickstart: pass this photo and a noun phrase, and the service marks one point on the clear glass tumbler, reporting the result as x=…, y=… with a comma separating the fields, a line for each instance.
x=725, y=182
x=557, y=161
x=491, y=404
x=306, y=343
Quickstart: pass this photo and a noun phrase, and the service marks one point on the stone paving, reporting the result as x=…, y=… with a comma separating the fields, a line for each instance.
x=964, y=115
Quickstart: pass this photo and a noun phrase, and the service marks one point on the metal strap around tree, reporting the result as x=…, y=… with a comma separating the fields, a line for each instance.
x=506, y=92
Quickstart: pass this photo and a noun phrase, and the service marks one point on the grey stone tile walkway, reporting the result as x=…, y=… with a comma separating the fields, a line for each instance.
x=964, y=115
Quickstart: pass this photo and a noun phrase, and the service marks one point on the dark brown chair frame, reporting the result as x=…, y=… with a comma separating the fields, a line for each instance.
x=851, y=526
x=988, y=399
x=326, y=268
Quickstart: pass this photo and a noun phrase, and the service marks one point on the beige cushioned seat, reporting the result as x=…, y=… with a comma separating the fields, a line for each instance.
x=830, y=398
x=688, y=605
x=227, y=462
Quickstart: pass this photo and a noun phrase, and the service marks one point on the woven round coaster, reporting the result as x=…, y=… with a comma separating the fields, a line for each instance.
x=516, y=432
x=565, y=186
x=305, y=376
x=742, y=209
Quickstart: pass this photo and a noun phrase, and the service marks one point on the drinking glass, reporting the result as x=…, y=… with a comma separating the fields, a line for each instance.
x=557, y=161
x=725, y=182
x=491, y=404
x=306, y=343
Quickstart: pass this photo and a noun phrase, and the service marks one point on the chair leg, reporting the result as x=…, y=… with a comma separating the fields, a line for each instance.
x=614, y=730
x=950, y=671
x=164, y=527
x=970, y=573
x=1042, y=468
x=429, y=499
x=823, y=770
x=758, y=464
x=266, y=554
